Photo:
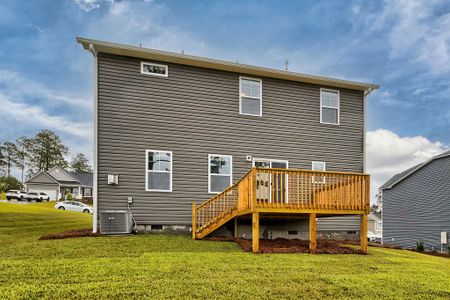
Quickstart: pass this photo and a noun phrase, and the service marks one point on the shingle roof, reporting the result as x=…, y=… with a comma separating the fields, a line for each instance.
x=83, y=177
x=400, y=176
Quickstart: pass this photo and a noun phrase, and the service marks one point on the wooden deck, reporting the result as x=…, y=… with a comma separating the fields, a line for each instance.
x=282, y=192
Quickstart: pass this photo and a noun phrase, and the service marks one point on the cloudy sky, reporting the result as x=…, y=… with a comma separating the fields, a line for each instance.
x=404, y=45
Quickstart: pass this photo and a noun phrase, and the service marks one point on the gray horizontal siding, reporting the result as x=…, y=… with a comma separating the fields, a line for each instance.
x=195, y=112
x=418, y=208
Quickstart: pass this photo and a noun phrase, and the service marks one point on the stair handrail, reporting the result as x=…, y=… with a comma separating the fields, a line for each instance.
x=226, y=190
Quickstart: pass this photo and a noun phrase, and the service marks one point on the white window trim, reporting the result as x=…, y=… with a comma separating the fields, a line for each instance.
x=147, y=171
x=338, y=106
x=154, y=74
x=259, y=98
x=209, y=171
x=324, y=169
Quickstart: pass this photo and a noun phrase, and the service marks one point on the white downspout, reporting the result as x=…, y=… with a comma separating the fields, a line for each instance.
x=95, y=158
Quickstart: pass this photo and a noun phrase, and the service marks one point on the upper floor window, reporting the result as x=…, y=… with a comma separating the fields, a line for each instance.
x=158, y=171
x=250, y=96
x=329, y=106
x=154, y=69
x=219, y=172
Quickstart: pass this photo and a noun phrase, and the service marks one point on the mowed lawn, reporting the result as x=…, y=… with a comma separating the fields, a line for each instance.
x=168, y=267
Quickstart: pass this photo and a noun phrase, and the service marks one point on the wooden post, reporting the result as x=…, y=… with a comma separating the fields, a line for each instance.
x=363, y=241
x=194, y=220
x=312, y=232
x=235, y=227
x=255, y=232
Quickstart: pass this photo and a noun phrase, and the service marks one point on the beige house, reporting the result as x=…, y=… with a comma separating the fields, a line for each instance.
x=374, y=224
x=57, y=182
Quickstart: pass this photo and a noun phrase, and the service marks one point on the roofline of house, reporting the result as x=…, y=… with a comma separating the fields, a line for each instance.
x=196, y=61
x=414, y=170
x=39, y=173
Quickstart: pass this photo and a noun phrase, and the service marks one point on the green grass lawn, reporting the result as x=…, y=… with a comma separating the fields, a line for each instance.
x=167, y=267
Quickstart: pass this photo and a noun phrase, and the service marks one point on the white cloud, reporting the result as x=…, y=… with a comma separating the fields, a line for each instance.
x=416, y=29
x=389, y=154
x=15, y=86
x=34, y=116
x=88, y=5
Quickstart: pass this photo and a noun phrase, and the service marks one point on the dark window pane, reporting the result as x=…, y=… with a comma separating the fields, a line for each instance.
x=329, y=115
x=158, y=181
x=219, y=183
x=154, y=69
x=159, y=161
x=220, y=165
x=250, y=106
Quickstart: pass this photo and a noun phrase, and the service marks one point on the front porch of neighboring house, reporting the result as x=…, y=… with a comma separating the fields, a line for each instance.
x=267, y=193
x=78, y=192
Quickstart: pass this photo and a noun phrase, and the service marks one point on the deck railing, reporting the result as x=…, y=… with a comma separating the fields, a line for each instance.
x=284, y=191
x=311, y=190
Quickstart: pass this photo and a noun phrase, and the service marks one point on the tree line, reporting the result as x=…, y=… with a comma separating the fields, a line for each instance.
x=42, y=152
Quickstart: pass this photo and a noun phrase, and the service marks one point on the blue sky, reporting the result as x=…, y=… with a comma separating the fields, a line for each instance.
x=46, y=77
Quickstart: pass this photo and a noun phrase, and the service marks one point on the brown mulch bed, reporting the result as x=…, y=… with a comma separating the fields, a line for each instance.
x=69, y=234
x=324, y=246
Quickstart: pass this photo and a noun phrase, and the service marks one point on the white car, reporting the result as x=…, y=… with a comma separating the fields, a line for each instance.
x=372, y=237
x=74, y=206
x=16, y=194
x=44, y=196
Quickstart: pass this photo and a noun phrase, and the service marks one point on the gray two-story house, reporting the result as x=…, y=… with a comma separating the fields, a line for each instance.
x=416, y=205
x=171, y=128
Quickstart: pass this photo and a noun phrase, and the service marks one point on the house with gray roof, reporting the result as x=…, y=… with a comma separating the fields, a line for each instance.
x=416, y=205
x=57, y=182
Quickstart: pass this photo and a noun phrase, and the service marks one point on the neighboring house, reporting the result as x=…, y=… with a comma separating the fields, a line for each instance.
x=416, y=204
x=172, y=128
x=374, y=224
x=57, y=182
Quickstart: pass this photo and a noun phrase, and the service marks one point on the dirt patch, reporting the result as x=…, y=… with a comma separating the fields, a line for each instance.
x=324, y=246
x=69, y=234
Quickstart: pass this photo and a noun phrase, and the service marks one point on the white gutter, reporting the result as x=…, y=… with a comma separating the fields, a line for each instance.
x=95, y=175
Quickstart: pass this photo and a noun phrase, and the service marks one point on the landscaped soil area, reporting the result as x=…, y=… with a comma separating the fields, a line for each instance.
x=159, y=266
x=293, y=246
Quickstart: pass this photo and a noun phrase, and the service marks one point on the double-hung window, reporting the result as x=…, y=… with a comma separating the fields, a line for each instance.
x=220, y=172
x=318, y=166
x=250, y=96
x=158, y=171
x=329, y=106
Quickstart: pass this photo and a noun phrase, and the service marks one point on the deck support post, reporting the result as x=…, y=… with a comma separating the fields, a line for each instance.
x=312, y=233
x=235, y=228
x=194, y=220
x=363, y=234
x=255, y=232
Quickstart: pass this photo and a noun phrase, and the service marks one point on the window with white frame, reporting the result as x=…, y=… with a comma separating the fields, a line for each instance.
x=219, y=172
x=318, y=166
x=149, y=68
x=158, y=171
x=250, y=96
x=329, y=106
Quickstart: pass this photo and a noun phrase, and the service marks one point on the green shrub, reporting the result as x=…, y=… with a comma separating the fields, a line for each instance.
x=2, y=196
x=69, y=197
x=9, y=183
x=419, y=246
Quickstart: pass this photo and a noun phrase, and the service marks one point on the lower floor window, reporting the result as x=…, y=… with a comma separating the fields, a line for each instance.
x=219, y=172
x=87, y=192
x=158, y=171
